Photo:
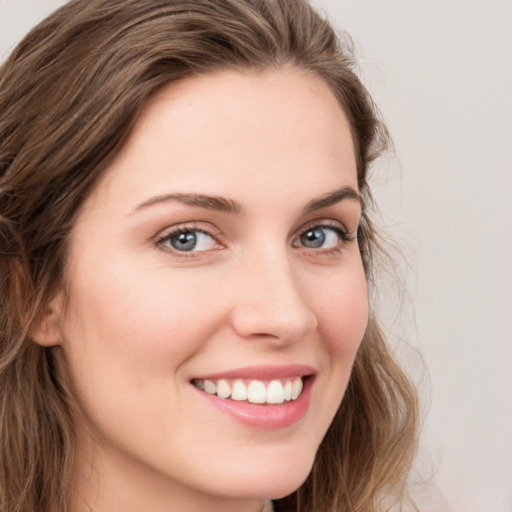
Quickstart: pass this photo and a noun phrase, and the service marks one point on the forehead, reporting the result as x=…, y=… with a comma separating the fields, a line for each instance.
x=231, y=132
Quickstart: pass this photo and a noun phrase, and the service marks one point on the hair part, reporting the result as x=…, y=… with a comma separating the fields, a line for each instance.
x=70, y=94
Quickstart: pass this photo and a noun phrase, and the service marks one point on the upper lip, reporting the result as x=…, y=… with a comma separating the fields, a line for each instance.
x=261, y=372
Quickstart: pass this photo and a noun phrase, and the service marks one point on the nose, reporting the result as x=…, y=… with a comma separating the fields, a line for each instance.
x=270, y=301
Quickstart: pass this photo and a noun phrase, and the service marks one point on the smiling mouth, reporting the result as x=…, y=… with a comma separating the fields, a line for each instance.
x=276, y=391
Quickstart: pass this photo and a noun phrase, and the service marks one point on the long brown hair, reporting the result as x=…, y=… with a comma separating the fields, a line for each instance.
x=70, y=94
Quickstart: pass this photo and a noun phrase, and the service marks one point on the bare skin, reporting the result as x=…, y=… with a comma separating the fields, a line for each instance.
x=167, y=286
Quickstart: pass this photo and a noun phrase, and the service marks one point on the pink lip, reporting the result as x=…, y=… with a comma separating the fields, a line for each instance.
x=264, y=416
x=262, y=372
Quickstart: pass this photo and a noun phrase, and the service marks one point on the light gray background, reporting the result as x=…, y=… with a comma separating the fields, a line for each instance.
x=441, y=72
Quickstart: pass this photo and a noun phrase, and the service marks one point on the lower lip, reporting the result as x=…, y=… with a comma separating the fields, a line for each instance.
x=264, y=416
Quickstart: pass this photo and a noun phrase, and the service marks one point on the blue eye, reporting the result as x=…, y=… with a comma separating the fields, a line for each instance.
x=321, y=237
x=189, y=240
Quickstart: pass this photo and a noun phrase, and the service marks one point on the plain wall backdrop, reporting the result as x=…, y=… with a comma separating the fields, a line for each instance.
x=441, y=72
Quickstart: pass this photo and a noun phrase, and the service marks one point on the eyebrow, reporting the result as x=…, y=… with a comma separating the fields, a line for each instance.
x=231, y=206
x=217, y=203
x=332, y=198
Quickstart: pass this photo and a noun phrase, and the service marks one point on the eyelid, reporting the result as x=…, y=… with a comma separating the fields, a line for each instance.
x=216, y=234
x=185, y=227
x=326, y=223
x=345, y=236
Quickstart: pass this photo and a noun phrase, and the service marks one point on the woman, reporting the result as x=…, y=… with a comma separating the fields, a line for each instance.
x=186, y=248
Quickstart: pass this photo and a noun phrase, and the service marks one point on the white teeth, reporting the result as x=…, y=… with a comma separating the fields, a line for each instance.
x=210, y=387
x=288, y=390
x=256, y=392
x=239, y=391
x=275, y=393
x=297, y=388
x=223, y=389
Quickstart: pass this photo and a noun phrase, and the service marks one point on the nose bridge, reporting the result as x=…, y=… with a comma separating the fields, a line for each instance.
x=270, y=301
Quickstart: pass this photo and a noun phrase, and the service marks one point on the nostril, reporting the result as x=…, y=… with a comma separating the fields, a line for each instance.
x=268, y=302
x=271, y=323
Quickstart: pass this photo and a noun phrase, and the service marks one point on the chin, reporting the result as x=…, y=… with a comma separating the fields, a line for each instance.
x=272, y=478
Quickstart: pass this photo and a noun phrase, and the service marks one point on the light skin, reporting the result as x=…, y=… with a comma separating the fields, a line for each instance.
x=267, y=273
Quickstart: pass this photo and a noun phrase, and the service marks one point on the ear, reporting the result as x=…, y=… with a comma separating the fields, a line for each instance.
x=46, y=329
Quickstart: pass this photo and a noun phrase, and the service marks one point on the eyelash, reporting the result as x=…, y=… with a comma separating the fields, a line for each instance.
x=190, y=228
x=343, y=235
x=341, y=232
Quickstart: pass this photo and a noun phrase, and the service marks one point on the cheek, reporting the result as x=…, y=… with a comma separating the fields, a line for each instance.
x=127, y=343
x=342, y=313
x=118, y=324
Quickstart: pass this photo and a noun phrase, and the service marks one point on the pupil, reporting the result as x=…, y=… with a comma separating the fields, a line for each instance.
x=313, y=238
x=184, y=241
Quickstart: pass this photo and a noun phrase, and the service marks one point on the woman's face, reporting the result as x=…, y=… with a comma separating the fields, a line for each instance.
x=216, y=257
